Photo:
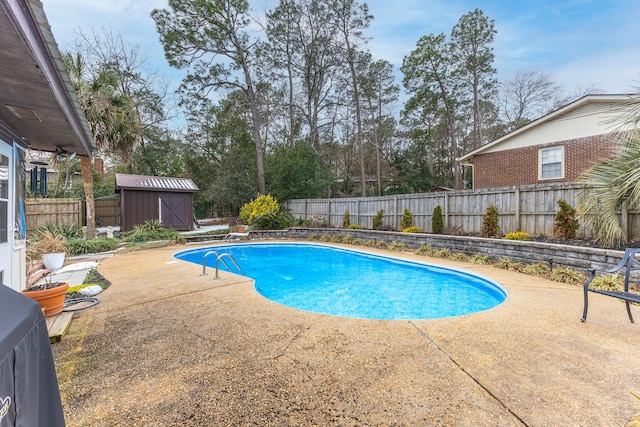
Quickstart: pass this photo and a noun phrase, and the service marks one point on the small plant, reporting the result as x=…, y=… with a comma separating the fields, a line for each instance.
x=359, y=242
x=407, y=219
x=442, y=253
x=314, y=236
x=397, y=246
x=92, y=246
x=381, y=244
x=325, y=238
x=349, y=240
x=355, y=227
x=337, y=238
x=425, y=250
x=566, y=225
x=46, y=242
x=259, y=206
x=377, y=220
x=537, y=269
x=437, y=221
x=73, y=231
x=150, y=226
x=479, y=259
x=504, y=263
x=346, y=219
x=490, y=222
x=567, y=275
x=608, y=282
x=412, y=229
x=518, y=235
x=459, y=256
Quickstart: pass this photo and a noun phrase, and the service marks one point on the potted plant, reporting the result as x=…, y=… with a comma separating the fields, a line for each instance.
x=50, y=247
x=50, y=295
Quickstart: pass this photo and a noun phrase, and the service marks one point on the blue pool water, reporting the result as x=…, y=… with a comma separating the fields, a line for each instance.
x=340, y=282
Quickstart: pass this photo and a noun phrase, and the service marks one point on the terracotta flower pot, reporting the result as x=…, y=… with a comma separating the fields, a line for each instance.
x=51, y=299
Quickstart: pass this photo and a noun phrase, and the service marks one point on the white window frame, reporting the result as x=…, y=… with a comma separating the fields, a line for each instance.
x=540, y=164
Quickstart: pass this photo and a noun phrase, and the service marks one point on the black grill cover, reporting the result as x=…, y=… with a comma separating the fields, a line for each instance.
x=29, y=394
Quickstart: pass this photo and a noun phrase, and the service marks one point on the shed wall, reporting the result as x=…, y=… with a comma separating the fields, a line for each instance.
x=137, y=207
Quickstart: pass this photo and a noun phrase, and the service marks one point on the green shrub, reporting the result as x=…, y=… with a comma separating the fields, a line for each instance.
x=412, y=229
x=259, y=206
x=537, y=269
x=442, y=253
x=325, y=238
x=518, y=235
x=567, y=275
x=504, y=263
x=397, y=246
x=355, y=227
x=380, y=244
x=144, y=236
x=92, y=246
x=377, y=220
x=277, y=219
x=490, y=222
x=348, y=239
x=425, y=250
x=567, y=224
x=608, y=282
x=73, y=231
x=346, y=219
x=459, y=256
x=337, y=238
x=407, y=219
x=437, y=220
x=479, y=259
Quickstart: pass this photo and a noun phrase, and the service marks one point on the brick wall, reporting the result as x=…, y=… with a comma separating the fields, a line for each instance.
x=520, y=166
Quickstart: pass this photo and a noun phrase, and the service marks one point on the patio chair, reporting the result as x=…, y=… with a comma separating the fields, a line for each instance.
x=629, y=264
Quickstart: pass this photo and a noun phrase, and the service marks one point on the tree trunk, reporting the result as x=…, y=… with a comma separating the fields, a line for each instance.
x=87, y=182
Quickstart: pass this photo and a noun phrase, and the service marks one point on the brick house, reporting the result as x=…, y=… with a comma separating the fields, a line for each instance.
x=554, y=148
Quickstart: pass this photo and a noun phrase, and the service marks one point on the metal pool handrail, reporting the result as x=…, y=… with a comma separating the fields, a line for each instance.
x=220, y=258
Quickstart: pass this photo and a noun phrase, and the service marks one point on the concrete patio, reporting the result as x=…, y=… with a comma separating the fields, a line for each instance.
x=166, y=347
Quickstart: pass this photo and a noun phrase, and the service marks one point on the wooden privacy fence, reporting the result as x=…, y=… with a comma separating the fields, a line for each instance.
x=71, y=211
x=107, y=211
x=41, y=212
x=529, y=208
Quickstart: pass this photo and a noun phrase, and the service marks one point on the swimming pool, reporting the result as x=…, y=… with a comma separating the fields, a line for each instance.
x=349, y=283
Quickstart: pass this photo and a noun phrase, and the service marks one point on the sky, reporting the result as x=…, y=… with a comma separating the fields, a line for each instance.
x=579, y=43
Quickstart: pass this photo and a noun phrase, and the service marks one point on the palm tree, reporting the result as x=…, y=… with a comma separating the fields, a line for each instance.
x=613, y=185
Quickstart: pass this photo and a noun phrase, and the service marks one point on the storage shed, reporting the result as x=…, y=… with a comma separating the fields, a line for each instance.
x=143, y=198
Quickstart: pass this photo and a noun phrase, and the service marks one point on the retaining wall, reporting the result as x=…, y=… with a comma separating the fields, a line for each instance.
x=576, y=257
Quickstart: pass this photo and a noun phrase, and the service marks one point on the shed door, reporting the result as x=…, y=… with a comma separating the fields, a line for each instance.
x=174, y=210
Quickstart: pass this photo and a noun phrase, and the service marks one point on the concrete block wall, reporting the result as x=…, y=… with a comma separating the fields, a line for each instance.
x=576, y=257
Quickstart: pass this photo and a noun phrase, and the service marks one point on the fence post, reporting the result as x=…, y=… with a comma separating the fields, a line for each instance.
x=358, y=212
x=395, y=212
x=329, y=213
x=517, y=203
x=446, y=209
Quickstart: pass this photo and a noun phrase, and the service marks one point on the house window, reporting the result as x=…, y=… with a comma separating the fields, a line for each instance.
x=551, y=163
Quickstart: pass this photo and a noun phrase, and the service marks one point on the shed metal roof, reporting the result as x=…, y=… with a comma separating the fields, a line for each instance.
x=154, y=183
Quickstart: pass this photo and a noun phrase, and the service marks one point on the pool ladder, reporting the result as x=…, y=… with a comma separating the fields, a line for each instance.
x=219, y=259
